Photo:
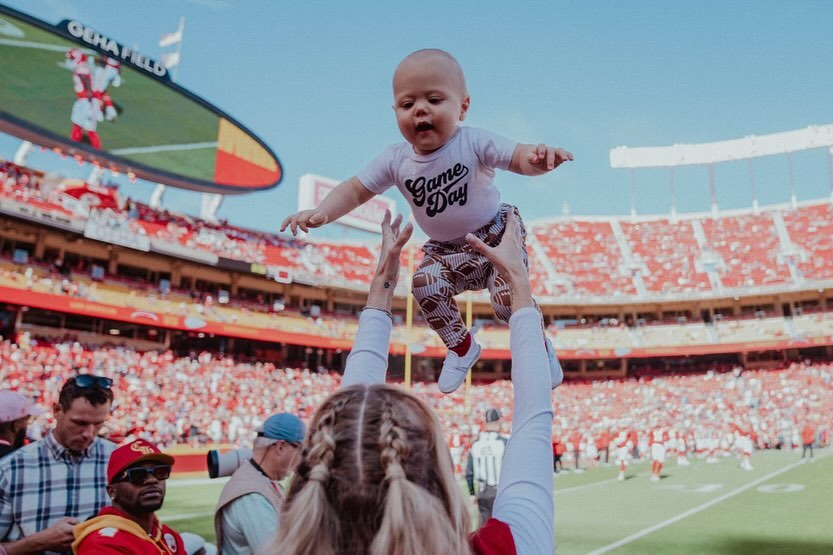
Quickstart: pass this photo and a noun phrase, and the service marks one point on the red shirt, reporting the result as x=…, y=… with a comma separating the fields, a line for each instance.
x=108, y=538
x=808, y=434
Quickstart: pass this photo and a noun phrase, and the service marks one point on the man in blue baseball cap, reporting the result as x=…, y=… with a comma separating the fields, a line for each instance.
x=249, y=505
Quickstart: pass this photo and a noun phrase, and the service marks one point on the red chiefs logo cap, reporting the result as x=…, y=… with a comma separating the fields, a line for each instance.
x=135, y=452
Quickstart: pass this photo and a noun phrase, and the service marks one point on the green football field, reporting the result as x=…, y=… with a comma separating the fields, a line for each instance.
x=156, y=125
x=782, y=507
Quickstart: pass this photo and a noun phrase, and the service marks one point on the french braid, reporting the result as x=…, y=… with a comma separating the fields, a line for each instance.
x=322, y=446
x=415, y=521
x=312, y=526
x=393, y=445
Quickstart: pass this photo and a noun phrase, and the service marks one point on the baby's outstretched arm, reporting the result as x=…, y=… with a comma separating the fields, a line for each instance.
x=537, y=159
x=347, y=196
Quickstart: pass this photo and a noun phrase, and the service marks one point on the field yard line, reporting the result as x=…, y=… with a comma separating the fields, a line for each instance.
x=186, y=482
x=695, y=510
x=38, y=45
x=610, y=481
x=163, y=148
x=186, y=516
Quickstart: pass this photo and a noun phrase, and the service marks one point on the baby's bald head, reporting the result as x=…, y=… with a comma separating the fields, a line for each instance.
x=435, y=57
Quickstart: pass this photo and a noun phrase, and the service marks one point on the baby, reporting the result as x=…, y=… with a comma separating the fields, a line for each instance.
x=445, y=171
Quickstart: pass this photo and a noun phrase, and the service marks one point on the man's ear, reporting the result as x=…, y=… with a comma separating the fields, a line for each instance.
x=465, y=107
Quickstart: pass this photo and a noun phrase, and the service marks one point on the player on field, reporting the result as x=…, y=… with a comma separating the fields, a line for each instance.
x=107, y=74
x=623, y=448
x=85, y=113
x=682, y=449
x=657, y=438
x=743, y=443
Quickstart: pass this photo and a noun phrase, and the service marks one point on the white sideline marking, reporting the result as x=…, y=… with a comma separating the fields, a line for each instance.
x=164, y=148
x=187, y=482
x=37, y=45
x=610, y=481
x=186, y=516
x=695, y=510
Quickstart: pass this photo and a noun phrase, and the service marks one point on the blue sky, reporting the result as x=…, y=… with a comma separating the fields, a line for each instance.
x=312, y=79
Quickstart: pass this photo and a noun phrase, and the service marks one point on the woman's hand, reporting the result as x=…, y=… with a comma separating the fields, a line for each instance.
x=507, y=258
x=387, y=270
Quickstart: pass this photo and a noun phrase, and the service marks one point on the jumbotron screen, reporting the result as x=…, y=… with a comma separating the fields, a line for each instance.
x=72, y=88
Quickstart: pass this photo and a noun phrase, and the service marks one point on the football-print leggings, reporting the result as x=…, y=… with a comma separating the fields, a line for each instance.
x=451, y=267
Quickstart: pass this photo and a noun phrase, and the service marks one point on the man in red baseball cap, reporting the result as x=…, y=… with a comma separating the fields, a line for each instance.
x=136, y=477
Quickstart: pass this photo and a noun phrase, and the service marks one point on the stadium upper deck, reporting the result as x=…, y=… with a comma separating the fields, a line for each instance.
x=718, y=284
x=579, y=259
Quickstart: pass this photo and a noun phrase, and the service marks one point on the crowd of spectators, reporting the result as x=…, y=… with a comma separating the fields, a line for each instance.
x=748, y=246
x=205, y=398
x=26, y=185
x=669, y=252
x=588, y=255
x=16, y=179
x=257, y=312
x=811, y=232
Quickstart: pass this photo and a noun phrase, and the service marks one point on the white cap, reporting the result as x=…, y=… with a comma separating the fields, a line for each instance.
x=14, y=406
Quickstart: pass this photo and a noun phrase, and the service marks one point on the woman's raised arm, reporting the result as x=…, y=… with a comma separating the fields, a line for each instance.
x=367, y=362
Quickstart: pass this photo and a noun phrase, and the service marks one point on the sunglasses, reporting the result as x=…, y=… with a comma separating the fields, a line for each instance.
x=138, y=475
x=88, y=380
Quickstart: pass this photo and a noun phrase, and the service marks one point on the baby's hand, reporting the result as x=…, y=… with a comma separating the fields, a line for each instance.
x=547, y=158
x=304, y=220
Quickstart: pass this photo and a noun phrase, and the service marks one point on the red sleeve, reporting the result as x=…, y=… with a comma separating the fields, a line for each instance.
x=95, y=544
x=493, y=538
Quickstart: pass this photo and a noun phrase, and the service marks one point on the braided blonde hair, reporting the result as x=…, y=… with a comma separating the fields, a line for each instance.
x=375, y=477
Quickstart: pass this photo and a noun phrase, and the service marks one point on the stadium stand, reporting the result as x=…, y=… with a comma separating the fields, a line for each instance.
x=810, y=229
x=570, y=257
x=749, y=250
x=670, y=255
x=136, y=295
x=209, y=399
x=586, y=256
x=596, y=278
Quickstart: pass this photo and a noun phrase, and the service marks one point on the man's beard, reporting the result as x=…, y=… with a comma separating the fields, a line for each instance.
x=147, y=508
x=20, y=438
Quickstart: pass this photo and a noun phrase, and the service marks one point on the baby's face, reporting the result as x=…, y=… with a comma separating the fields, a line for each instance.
x=430, y=100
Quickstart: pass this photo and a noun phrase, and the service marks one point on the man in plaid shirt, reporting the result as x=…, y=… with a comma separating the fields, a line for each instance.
x=49, y=486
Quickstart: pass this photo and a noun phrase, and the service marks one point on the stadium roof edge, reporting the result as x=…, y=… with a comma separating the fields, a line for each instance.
x=752, y=146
